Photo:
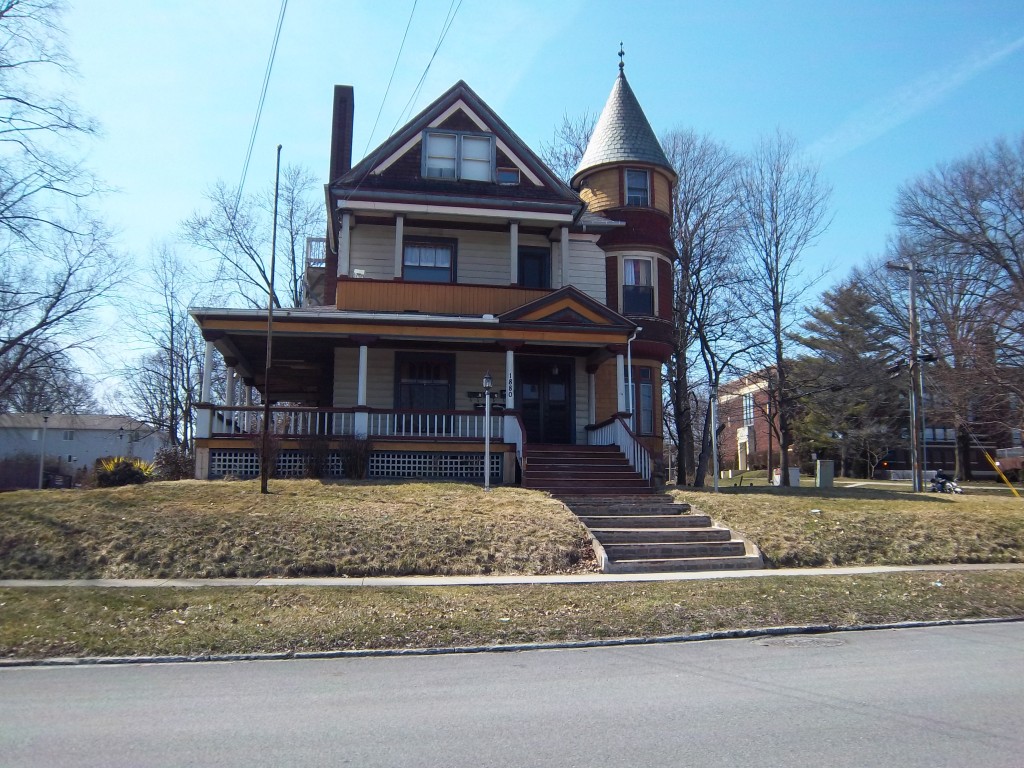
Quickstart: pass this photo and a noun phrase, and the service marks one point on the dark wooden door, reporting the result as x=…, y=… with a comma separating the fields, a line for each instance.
x=545, y=399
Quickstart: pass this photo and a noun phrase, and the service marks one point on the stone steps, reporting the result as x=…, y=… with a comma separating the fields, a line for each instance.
x=654, y=534
x=592, y=470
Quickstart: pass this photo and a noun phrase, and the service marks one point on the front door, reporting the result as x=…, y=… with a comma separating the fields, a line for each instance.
x=545, y=399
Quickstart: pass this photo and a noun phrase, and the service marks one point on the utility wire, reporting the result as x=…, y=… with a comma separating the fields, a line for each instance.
x=263, y=98
x=449, y=19
x=444, y=32
x=394, y=69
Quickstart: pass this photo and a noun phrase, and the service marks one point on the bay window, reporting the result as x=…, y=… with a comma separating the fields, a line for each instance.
x=637, y=286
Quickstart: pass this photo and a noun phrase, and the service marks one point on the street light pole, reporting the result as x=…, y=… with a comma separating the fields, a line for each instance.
x=487, y=430
x=265, y=441
x=714, y=433
x=42, y=450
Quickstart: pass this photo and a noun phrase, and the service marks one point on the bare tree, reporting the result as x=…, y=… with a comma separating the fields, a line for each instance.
x=704, y=228
x=237, y=229
x=48, y=297
x=784, y=206
x=162, y=387
x=563, y=154
x=38, y=124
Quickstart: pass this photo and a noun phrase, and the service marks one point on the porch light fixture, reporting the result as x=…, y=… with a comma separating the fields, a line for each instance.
x=488, y=383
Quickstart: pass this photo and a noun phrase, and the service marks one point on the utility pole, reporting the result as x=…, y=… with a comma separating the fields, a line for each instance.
x=916, y=395
x=265, y=457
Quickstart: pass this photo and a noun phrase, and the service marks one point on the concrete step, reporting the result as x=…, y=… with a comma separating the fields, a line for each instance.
x=608, y=536
x=597, y=485
x=646, y=521
x=635, y=508
x=673, y=564
x=669, y=549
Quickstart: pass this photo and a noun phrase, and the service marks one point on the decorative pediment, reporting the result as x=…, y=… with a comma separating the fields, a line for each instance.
x=566, y=306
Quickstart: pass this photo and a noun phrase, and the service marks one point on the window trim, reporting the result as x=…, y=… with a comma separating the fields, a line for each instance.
x=536, y=250
x=652, y=286
x=626, y=188
x=459, y=137
x=452, y=243
x=643, y=376
x=401, y=358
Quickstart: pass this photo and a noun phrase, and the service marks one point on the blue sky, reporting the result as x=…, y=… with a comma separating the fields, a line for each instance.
x=876, y=92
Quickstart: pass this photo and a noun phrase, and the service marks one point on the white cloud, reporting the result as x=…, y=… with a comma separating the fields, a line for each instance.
x=879, y=117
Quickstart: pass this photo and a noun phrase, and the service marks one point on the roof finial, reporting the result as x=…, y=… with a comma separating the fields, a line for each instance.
x=622, y=53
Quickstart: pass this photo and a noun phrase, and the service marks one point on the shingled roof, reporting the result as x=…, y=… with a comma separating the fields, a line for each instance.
x=622, y=134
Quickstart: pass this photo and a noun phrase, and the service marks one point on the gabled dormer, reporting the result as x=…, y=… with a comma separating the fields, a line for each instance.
x=456, y=148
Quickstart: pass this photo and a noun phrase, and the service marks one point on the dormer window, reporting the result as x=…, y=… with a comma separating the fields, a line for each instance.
x=638, y=187
x=457, y=155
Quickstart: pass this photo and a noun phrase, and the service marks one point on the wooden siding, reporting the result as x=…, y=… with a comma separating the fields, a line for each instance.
x=601, y=189
x=662, y=193
x=586, y=268
x=398, y=296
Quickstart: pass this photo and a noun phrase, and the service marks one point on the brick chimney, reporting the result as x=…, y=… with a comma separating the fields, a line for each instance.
x=341, y=161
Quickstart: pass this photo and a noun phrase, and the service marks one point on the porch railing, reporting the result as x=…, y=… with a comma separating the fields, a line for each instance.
x=615, y=431
x=455, y=425
x=297, y=421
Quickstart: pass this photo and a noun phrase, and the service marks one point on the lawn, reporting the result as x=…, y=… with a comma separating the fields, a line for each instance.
x=869, y=525
x=221, y=529
x=302, y=528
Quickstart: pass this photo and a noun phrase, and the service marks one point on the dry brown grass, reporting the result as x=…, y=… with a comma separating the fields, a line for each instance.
x=98, y=622
x=870, y=525
x=302, y=528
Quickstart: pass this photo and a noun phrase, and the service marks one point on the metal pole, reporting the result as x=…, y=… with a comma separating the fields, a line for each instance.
x=265, y=457
x=915, y=446
x=487, y=431
x=714, y=433
x=42, y=451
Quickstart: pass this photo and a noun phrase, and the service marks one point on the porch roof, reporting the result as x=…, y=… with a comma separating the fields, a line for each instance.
x=304, y=339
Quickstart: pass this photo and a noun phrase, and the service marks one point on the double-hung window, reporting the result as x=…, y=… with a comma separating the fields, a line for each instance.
x=429, y=260
x=456, y=155
x=638, y=187
x=637, y=286
x=643, y=405
x=748, y=409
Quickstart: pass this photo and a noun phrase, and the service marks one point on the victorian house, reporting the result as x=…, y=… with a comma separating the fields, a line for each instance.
x=455, y=258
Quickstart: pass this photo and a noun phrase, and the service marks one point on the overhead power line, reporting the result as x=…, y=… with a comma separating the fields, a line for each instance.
x=263, y=98
x=449, y=19
x=391, y=79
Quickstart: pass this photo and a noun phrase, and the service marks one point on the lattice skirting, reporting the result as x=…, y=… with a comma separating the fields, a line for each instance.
x=465, y=466
x=244, y=462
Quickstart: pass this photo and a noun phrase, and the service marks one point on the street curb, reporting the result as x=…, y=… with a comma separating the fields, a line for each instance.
x=728, y=634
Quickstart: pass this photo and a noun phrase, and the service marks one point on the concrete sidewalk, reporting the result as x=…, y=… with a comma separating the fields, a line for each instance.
x=479, y=581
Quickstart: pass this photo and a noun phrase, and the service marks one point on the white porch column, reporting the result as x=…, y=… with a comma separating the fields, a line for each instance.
x=361, y=389
x=207, y=373
x=399, y=244
x=361, y=418
x=247, y=401
x=229, y=400
x=620, y=382
x=513, y=252
x=345, y=244
x=510, y=381
x=229, y=387
x=563, y=278
x=591, y=397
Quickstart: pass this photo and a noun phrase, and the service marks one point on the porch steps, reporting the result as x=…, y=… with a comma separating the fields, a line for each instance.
x=581, y=469
x=654, y=534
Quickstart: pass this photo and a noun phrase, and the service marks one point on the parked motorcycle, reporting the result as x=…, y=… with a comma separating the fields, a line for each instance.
x=945, y=485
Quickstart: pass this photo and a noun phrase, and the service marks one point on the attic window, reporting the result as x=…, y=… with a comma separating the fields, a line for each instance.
x=508, y=176
x=456, y=155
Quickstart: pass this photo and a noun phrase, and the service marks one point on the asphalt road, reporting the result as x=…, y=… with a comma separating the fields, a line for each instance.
x=951, y=696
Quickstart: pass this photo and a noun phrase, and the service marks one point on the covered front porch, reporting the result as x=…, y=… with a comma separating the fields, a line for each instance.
x=380, y=395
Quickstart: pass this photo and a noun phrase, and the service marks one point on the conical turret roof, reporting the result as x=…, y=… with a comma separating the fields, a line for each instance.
x=622, y=134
